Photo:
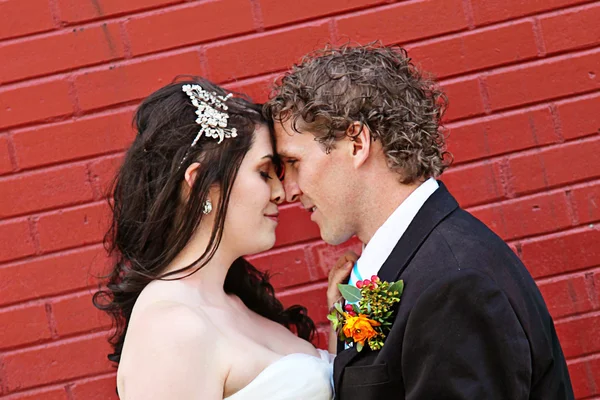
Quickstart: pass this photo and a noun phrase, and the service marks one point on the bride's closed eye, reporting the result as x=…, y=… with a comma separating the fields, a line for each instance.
x=265, y=175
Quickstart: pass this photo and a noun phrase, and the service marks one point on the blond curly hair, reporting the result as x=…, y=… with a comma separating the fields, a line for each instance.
x=376, y=86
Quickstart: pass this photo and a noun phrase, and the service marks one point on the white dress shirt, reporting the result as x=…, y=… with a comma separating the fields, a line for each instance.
x=387, y=236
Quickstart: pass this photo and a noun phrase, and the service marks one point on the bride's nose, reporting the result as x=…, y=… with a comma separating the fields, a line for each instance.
x=277, y=192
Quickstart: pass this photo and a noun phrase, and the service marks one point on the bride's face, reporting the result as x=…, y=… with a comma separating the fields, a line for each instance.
x=252, y=214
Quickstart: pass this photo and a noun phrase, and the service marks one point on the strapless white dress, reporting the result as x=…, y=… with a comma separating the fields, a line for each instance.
x=297, y=376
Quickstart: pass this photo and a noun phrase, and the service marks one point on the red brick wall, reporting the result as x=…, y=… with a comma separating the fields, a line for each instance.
x=523, y=79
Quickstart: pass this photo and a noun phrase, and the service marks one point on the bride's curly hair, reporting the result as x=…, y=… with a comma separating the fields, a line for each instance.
x=376, y=86
x=150, y=223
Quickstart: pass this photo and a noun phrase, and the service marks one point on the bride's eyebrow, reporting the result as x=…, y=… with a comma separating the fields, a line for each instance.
x=269, y=157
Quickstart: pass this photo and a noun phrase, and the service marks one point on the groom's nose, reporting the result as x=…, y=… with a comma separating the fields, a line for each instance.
x=292, y=190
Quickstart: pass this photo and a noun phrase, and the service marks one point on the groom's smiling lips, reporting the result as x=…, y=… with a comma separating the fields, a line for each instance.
x=310, y=209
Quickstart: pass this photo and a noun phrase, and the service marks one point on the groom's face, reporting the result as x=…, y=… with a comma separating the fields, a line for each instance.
x=321, y=182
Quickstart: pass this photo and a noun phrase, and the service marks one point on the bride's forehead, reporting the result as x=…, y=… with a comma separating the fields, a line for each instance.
x=262, y=145
x=262, y=140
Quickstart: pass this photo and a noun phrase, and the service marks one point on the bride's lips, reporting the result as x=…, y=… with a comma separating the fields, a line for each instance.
x=273, y=217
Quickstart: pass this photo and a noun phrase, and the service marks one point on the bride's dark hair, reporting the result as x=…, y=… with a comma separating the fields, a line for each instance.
x=151, y=224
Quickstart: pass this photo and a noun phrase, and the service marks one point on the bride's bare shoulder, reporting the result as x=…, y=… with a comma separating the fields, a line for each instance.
x=170, y=340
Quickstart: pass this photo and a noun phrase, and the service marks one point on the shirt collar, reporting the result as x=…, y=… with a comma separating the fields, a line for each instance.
x=379, y=248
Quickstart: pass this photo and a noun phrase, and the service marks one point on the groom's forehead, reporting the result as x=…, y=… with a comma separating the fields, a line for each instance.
x=286, y=140
x=293, y=145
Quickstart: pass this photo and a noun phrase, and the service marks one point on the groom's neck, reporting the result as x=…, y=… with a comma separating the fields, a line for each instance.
x=379, y=203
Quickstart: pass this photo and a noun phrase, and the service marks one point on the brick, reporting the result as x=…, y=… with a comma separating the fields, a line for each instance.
x=325, y=255
x=473, y=184
x=529, y=216
x=198, y=22
x=23, y=325
x=464, y=98
x=581, y=157
x=535, y=215
x=571, y=29
x=103, y=172
x=29, y=192
x=571, y=111
x=58, y=361
x=34, y=103
x=492, y=217
x=73, y=270
x=546, y=168
x=529, y=83
x=476, y=50
x=585, y=377
x=17, y=240
x=485, y=12
x=132, y=80
x=60, y=52
x=520, y=131
x=78, y=11
x=73, y=227
x=314, y=298
x=396, y=23
x=53, y=393
x=71, y=140
x=562, y=252
x=566, y=296
x=295, y=226
x=102, y=388
x=77, y=314
x=275, y=12
x=15, y=22
x=5, y=163
x=287, y=267
x=263, y=53
x=586, y=200
x=258, y=89
x=580, y=335
x=467, y=141
x=501, y=133
x=526, y=172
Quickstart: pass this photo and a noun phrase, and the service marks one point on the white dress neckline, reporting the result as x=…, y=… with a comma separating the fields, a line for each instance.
x=293, y=376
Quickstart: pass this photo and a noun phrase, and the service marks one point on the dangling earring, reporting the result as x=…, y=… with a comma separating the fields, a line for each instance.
x=207, y=208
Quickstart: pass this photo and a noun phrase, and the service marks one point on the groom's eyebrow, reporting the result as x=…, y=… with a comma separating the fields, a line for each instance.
x=283, y=154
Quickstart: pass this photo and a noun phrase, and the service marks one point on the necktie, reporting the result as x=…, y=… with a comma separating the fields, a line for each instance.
x=355, y=275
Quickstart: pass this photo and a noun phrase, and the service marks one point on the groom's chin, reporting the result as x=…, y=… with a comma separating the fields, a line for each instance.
x=333, y=238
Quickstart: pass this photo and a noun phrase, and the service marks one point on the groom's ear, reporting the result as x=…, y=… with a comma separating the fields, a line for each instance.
x=360, y=137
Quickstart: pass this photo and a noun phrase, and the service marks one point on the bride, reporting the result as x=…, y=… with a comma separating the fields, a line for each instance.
x=199, y=188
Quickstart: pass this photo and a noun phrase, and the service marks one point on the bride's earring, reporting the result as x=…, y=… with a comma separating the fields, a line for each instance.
x=207, y=208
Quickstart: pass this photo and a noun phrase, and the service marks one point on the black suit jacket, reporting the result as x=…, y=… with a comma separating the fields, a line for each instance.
x=471, y=323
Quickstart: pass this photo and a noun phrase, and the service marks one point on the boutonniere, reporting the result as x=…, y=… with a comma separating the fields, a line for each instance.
x=367, y=316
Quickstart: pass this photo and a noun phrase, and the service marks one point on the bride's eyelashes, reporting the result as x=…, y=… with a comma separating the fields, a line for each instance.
x=265, y=175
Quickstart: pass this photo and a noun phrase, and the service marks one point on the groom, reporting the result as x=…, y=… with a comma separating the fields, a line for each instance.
x=359, y=132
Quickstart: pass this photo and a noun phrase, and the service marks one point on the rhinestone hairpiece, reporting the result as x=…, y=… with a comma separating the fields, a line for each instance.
x=212, y=113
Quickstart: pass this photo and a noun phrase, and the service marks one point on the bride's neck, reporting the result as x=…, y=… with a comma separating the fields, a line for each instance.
x=211, y=277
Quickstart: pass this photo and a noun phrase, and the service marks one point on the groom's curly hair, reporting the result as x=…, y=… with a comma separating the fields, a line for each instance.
x=377, y=86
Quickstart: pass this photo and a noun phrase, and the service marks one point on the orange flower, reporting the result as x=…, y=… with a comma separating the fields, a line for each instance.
x=359, y=328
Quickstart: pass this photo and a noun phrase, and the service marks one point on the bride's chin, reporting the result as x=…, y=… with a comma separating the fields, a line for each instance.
x=266, y=244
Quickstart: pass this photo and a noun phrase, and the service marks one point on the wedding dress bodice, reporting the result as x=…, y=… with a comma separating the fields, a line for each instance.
x=296, y=376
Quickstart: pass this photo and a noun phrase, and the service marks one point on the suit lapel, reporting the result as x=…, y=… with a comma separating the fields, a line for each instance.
x=437, y=207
